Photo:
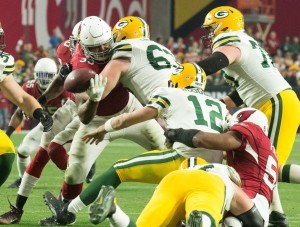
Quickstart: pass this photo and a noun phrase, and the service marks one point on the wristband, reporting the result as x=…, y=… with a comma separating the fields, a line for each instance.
x=108, y=127
x=9, y=130
x=38, y=113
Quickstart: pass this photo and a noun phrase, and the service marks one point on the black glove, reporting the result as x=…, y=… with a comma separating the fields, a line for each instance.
x=184, y=136
x=64, y=71
x=45, y=119
x=42, y=100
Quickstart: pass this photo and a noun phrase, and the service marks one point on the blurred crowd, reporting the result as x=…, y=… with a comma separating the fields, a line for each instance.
x=285, y=54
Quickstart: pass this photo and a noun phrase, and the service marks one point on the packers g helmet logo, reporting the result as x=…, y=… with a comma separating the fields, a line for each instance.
x=177, y=69
x=122, y=24
x=221, y=14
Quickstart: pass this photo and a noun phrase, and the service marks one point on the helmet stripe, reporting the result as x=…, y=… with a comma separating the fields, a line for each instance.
x=145, y=25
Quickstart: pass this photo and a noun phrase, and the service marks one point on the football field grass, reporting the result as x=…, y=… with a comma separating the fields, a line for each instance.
x=131, y=197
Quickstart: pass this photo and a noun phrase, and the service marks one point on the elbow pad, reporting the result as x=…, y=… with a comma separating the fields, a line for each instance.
x=214, y=63
x=251, y=218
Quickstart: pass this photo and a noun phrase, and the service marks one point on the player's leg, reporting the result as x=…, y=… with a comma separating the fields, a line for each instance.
x=206, y=202
x=35, y=168
x=56, y=148
x=28, y=146
x=7, y=155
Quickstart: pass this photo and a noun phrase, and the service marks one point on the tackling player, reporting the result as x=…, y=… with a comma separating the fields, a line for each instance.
x=26, y=102
x=44, y=72
x=250, y=70
x=200, y=111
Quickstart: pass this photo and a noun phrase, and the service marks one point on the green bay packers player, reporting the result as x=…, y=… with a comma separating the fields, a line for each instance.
x=199, y=195
x=19, y=97
x=250, y=70
x=187, y=106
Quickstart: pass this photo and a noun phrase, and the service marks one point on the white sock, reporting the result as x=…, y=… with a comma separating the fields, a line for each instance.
x=76, y=205
x=290, y=173
x=119, y=218
x=28, y=182
x=206, y=222
x=276, y=204
x=232, y=221
x=22, y=164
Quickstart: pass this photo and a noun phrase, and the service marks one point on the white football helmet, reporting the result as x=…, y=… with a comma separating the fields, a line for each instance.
x=74, y=38
x=250, y=115
x=44, y=72
x=96, y=38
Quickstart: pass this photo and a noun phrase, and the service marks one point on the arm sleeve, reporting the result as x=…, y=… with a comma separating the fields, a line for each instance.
x=214, y=63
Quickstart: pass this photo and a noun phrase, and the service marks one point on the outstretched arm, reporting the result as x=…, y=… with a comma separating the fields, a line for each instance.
x=195, y=138
x=122, y=121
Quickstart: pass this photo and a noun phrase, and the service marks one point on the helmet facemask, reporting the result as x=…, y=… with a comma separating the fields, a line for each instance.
x=44, y=79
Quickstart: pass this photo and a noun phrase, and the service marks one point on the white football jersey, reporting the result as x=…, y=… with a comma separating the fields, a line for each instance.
x=151, y=66
x=189, y=109
x=7, y=65
x=254, y=75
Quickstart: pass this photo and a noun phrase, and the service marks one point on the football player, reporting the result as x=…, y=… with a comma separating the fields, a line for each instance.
x=44, y=72
x=19, y=97
x=94, y=54
x=249, y=151
x=201, y=195
x=200, y=111
x=250, y=70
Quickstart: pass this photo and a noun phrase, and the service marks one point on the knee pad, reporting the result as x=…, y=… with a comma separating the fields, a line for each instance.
x=75, y=174
x=25, y=150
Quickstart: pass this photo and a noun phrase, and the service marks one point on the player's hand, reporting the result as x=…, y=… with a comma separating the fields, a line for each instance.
x=64, y=71
x=47, y=121
x=96, y=89
x=95, y=136
x=184, y=136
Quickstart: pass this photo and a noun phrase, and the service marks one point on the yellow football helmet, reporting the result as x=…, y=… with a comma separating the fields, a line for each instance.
x=130, y=27
x=188, y=75
x=222, y=19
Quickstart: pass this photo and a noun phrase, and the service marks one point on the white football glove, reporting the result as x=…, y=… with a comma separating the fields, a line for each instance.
x=97, y=86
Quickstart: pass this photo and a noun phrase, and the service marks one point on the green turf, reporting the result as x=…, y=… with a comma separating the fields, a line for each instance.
x=132, y=197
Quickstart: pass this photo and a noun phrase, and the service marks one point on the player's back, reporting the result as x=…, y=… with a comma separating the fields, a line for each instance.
x=151, y=66
x=255, y=160
x=253, y=75
x=189, y=109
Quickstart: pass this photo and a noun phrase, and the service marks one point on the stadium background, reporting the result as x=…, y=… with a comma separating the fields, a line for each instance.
x=42, y=24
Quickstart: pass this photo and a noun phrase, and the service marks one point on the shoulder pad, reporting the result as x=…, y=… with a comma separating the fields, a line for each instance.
x=225, y=39
x=121, y=49
x=7, y=63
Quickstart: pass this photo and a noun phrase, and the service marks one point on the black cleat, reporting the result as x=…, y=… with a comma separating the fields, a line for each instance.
x=104, y=206
x=11, y=217
x=16, y=183
x=277, y=219
x=91, y=174
x=59, y=210
x=51, y=221
x=195, y=219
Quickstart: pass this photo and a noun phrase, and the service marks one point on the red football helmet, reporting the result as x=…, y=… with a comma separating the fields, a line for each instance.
x=2, y=40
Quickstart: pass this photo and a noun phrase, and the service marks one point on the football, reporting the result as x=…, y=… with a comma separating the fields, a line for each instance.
x=79, y=80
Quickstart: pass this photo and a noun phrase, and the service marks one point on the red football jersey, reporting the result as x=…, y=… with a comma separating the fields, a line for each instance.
x=31, y=88
x=63, y=52
x=117, y=98
x=255, y=160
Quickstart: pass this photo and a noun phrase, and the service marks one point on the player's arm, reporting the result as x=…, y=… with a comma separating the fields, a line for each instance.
x=26, y=102
x=232, y=100
x=195, y=138
x=220, y=58
x=120, y=122
x=113, y=71
x=57, y=86
x=15, y=121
